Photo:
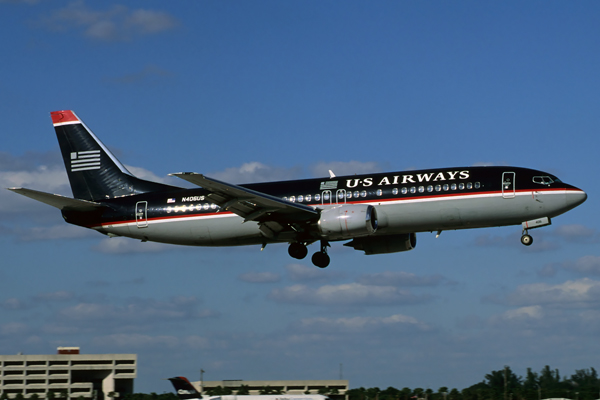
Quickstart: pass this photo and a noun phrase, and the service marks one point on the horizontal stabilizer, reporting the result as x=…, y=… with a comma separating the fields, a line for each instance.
x=58, y=201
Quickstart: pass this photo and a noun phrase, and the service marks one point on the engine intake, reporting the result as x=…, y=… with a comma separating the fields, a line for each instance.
x=347, y=222
x=384, y=244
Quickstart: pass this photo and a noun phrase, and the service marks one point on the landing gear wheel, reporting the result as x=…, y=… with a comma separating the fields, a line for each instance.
x=297, y=250
x=526, y=239
x=321, y=259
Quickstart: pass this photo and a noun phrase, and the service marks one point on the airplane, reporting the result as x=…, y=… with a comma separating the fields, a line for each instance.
x=186, y=391
x=376, y=213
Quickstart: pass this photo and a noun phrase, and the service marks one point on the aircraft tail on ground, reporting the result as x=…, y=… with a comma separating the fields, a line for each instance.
x=185, y=390
x=94, y=172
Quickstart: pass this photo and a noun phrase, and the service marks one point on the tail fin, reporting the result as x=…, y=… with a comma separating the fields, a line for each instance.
x=94, y=172
x=185, y=390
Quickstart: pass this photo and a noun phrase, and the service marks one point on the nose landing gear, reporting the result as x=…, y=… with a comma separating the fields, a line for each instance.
x=526, y=238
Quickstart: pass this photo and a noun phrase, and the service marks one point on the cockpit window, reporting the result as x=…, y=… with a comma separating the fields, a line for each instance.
x=543, y=180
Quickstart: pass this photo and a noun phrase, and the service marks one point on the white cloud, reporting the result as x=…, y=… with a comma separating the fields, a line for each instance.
x=350, y=294
x=400, y=278
x=134, y=314
x=256, y=172
x=13, y=304
x=361, y=324
x=303, y=273
x=61, y=295
x=587, y=265
x=136, y=341
x=55, y=232
x=50, y=179
x=341, y=168
x=117, y=23
x=579, y=293
x=143, y=173
x=534, y=312
x=260, y=277
x=142, y=341
x=574, y=231
x=150, y=73
x=122, y=245
x=13, y=328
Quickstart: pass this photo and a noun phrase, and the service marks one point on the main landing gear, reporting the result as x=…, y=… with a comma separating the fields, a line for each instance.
x=320, y=259
x=526, y=238
x=297, y=250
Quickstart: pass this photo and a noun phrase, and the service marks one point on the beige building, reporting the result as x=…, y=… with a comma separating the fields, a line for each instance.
x=286, y=387
x=92, y=376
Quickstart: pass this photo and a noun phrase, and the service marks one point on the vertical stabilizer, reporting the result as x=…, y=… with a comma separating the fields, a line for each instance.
x=184, y=388
x=94, y=172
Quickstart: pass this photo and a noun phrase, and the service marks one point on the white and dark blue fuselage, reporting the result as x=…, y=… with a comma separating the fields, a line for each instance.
x=377, y=213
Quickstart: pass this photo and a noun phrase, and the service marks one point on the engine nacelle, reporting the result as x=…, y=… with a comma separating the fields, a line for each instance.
x=347, y=222
x=385, y=244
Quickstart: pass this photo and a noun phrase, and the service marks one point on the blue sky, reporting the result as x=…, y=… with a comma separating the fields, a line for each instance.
x=269, y=90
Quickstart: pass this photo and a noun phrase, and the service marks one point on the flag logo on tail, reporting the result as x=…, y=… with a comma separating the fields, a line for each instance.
x=85, y=160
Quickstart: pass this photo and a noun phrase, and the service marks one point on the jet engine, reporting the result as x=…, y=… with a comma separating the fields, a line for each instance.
x=347, y=222
x=384, y=244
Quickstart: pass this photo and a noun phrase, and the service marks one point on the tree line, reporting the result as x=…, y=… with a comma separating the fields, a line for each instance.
x=503, y=384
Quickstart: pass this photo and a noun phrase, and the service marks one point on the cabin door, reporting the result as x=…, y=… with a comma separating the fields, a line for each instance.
x=508, y=185
x=340, y=196
x=141, y=214
x=326, y=197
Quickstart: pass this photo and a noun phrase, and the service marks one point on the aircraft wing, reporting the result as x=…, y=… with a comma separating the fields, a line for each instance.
x=58, y=201
x=250, y=204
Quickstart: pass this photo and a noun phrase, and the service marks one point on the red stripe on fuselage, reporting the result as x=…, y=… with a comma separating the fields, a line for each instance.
x=365, y=201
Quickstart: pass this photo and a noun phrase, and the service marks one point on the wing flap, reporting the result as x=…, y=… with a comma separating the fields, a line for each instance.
x=250, y=204
x=58, y=201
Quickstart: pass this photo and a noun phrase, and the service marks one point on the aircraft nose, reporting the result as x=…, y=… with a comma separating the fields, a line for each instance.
x=575, y=197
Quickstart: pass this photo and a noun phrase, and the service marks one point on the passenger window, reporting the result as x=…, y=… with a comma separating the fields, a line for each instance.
x=379, y=192
x=453, y=186
x=356, y=193
x=421, y=189
x=317, y=197
x=469, y=185
x=404, y=190
x=395, y=191
x=445, y=187
x=308, y=197
x=438, y=188
x=206, y=206
x=349, y=195
x=300, y=198
x=413, y=190
x=477, y=185
x=461, y=186
x=340, y=195
x=293, y=199
x=430, y=188
x=363, y=193
x=326, y=196
x=213, y=206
